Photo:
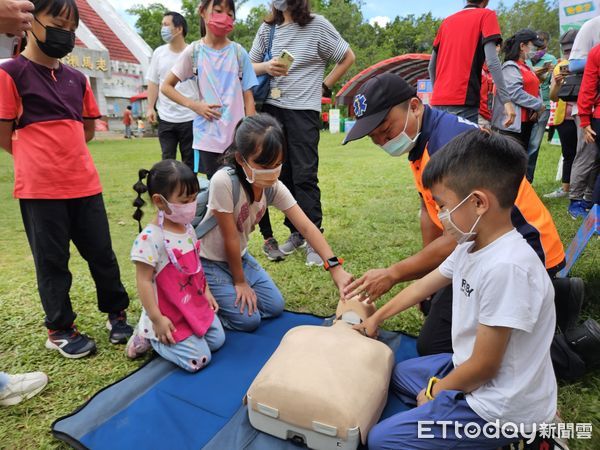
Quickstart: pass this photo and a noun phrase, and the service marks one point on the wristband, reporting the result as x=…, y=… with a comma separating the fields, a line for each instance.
x=428, y=391
x=332, y=262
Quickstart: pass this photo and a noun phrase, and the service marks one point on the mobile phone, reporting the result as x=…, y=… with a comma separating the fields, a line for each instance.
x=286, y=58
x=10, y=46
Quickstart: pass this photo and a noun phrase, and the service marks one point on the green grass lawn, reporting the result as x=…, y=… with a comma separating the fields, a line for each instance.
x=370, y=208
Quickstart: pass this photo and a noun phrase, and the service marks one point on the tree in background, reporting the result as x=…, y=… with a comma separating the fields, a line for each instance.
x=148, y=22
x=370, y=42
x=538, y=15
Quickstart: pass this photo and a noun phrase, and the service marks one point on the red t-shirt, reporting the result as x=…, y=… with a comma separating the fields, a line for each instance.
x=127, y=117
x=460, y=56
x=487, y=94
x=51, y=157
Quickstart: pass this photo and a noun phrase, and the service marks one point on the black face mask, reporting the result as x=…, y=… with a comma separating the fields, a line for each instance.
x=59, y=43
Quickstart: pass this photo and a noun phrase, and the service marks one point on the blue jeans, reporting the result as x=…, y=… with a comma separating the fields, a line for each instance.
x=3, y=380
x=127, y=131
x=402, y=430
x=471, y=113
x=269, y=299
x=535, y=141
x=193, y=353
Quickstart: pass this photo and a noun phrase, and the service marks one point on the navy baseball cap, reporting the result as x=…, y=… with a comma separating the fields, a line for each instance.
x=374, y=100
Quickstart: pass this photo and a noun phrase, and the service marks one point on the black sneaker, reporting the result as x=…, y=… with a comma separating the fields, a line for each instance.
x=70, y=343
x=271, y=250
x=120, y=330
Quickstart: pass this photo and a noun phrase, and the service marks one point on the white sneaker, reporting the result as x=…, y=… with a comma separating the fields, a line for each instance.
x=559, y=193
x=22, y=386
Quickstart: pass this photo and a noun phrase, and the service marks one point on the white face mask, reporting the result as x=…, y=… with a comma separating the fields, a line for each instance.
x=532, y=50
x=263, y=177
x=460, y=236
x=401, y=144
x=166, y=34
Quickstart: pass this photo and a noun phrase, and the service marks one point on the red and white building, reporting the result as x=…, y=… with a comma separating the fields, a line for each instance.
x=112, y=55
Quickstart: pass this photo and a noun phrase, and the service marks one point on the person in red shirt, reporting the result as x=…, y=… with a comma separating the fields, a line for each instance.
x=127, y=121
x=588, y=104
x=47, y=114
x=465, y=41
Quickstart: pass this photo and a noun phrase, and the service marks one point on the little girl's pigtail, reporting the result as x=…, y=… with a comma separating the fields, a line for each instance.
x=139, y=202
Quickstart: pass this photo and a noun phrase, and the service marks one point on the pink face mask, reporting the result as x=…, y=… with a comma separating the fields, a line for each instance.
x=220, y=24
x=182, y=213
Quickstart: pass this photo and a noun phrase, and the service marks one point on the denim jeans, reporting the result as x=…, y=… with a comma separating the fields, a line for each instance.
x=269, y=300
x=535, y=141
x=3, y=380
x=471, y=113
x=194, y=352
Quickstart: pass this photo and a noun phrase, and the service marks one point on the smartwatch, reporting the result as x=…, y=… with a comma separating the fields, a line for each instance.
x=332, y=262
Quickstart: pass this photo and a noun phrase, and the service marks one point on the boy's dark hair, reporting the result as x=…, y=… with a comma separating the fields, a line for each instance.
x=129, y=107
x=479, y=159
x=300, y=10
x=205, y=4
x=178, y=21
x=260, y=134
x=56, y=8
x=163, y=178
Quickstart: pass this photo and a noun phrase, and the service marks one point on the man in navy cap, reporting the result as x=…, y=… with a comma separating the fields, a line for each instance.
x=389, y=112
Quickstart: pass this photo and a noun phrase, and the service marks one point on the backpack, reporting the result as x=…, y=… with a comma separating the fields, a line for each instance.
x=202, y=203
x=262, y=90
x=195, y=57
x=569, y=90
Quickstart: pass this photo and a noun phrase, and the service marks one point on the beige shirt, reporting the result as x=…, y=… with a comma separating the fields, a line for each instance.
x=245, y=214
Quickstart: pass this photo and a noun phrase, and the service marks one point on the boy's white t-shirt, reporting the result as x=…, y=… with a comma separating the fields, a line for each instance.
x=245, y=214
x=163, y=60
x=506, y=285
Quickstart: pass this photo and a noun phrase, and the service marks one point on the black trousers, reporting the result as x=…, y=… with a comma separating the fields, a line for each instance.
x=301, y=165
x=170, y=135
x=50, y=225
x=523, y=136
x=567, y=133
x=436, y=334
x=210, y=162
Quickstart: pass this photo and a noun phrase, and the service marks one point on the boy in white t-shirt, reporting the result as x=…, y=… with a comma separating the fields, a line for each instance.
x=503, y=314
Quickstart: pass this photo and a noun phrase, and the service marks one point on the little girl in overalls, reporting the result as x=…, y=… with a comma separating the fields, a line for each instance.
x=179, y=318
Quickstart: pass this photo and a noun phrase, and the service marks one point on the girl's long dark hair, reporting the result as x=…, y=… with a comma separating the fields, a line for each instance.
x=205, y=4
x=300, y=10
x=260, y=136
x=511, y=49
x=164, y=178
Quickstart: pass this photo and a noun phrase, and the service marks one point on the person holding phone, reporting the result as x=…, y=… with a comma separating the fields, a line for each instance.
x=542, y=63
x=564, y=121
x=295, y=101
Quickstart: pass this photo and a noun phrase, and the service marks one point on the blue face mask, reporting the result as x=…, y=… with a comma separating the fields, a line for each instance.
x=166, y=34
x=401, y=144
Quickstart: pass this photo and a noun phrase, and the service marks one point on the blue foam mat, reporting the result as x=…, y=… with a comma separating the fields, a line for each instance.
x=161, y=406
